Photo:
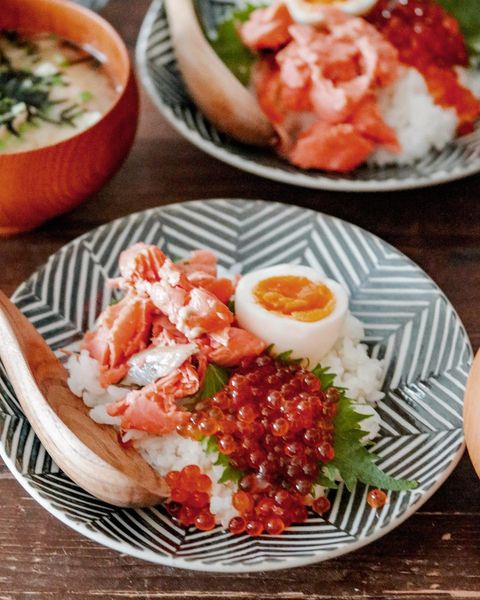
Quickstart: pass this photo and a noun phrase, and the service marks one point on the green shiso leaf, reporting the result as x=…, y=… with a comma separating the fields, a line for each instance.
x=216, y=378
x=352, y=459
x=229, y=47
x=467, y=13
x=210, y=444
x=326, y=482
x=229, y=473
x=326, y=378
x=285, y=357
x=222, y=460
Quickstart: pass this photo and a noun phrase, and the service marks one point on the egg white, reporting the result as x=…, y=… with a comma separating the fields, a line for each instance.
x=310, y=340
x=311, y=14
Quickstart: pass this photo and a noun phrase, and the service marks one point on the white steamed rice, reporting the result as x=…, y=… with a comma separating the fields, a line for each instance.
x=419, y=123
x=348, y=359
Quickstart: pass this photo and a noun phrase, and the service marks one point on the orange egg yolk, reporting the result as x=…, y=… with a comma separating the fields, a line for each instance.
x=295, y=297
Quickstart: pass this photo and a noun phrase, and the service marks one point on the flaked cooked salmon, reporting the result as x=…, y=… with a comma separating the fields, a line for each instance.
x=172, y=322
x=317, y=85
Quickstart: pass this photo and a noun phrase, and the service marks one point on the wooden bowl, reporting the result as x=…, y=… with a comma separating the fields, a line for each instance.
x=36, y=185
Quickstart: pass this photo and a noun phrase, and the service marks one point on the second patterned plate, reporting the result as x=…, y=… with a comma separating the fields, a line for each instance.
x=409, y=324
x=160, y=76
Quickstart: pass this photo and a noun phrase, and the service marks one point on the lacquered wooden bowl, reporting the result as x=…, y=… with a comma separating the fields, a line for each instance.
x=39, y=184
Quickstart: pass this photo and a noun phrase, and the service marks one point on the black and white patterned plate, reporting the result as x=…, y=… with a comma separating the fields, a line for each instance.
x=160, y=76
x=409, y=324
x=93, y=4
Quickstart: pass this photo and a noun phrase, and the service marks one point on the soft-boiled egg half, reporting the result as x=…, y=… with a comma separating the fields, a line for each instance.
x=309, y=12
x=293, y=307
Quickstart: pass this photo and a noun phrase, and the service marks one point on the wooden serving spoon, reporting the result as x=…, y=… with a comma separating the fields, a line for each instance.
x=471, y=414
x=215, y=90
x=87, y=452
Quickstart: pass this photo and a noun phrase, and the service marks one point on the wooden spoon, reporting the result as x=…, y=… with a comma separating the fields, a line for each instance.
x=87, y=452
x=471, y=414
x=215, y=90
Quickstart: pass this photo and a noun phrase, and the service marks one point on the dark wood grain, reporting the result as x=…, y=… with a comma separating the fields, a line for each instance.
x=435, y=554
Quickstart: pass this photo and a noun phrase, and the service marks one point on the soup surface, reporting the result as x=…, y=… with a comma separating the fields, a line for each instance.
x=50, y=90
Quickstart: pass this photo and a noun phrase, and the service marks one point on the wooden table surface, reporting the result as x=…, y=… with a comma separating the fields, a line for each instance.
x=435, y=554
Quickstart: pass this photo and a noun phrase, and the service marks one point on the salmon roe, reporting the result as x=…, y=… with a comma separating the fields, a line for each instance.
x=281, y=424
x=377, y=498
x=429, y=39
x=190, y=497
x=422, y=31
x=275, y=424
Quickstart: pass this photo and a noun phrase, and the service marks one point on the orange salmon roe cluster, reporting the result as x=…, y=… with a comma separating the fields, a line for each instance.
x=280, y=430
x=275, y=424
x=190, y=497
x=422, y=31
x=268, y=508
x=201, y=424
x=277, y=421
x=429, y=39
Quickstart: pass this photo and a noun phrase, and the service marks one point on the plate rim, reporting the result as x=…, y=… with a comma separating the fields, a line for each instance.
x=197, y=565
x=297, y=179
x=218, y=567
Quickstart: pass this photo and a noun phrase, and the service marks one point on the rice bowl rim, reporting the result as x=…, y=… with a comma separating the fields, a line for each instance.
x=196, y=564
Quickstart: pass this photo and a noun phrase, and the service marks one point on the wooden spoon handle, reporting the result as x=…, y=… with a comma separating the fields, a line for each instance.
x=216, y=91
x=87, y=452
x=471, y=414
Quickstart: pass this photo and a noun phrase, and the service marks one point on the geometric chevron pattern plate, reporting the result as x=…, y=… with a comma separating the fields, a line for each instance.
x=160, y=77
x=92, y=4
x=409, y=324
